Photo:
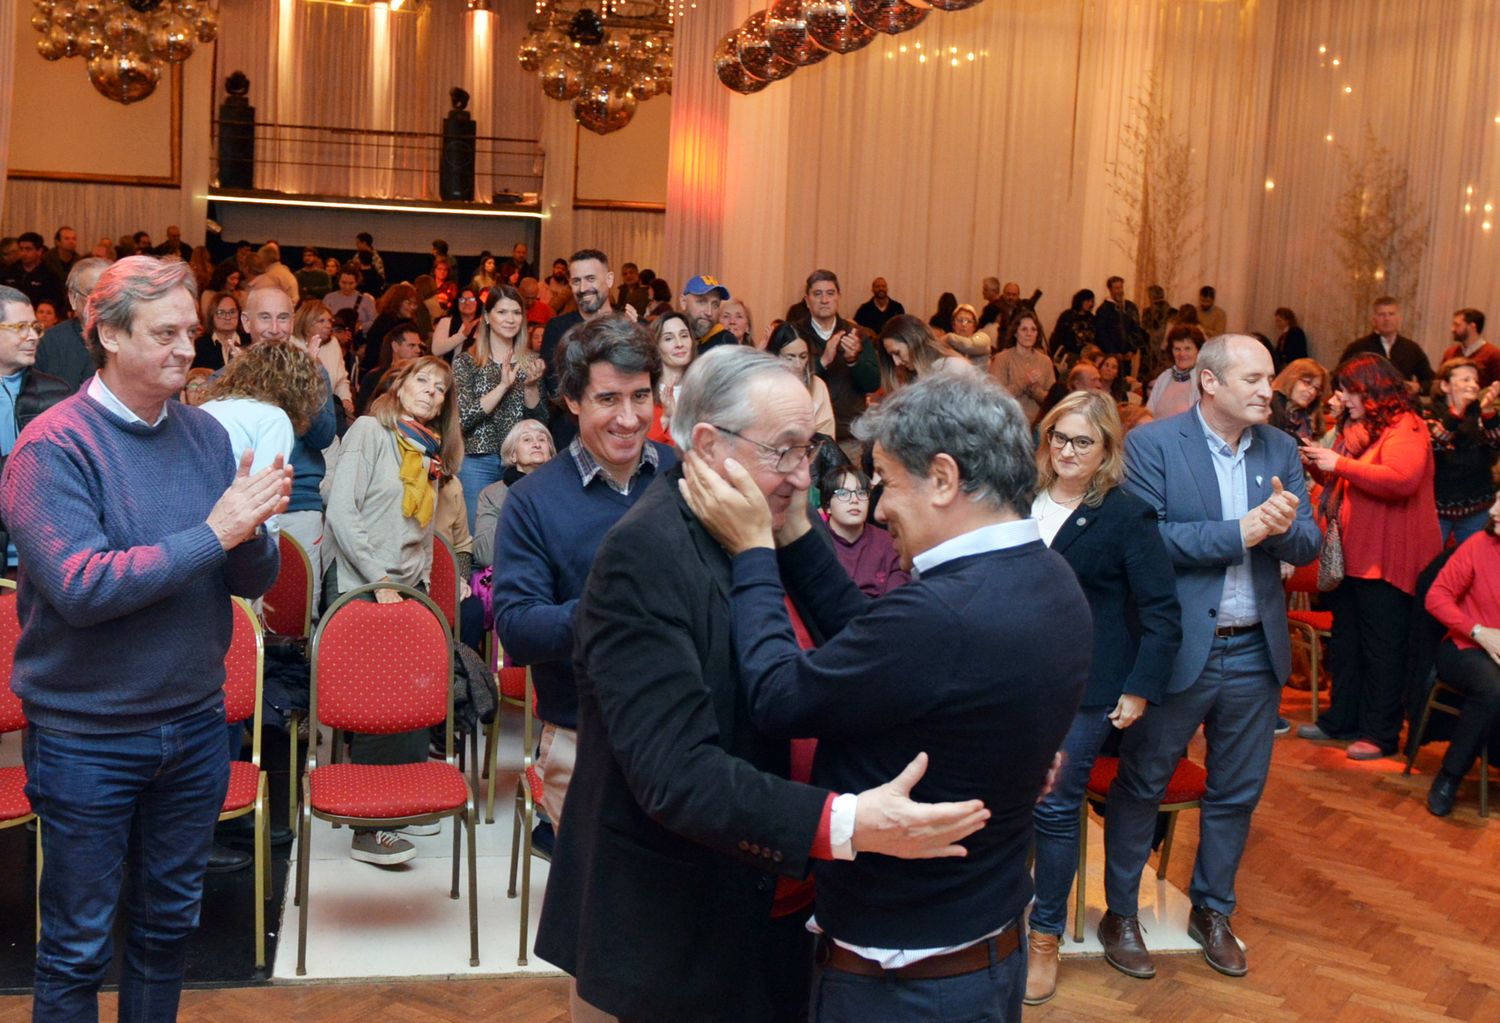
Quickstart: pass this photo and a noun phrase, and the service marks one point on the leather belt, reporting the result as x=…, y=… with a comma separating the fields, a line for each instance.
x=966, y=960
x=1237, y=630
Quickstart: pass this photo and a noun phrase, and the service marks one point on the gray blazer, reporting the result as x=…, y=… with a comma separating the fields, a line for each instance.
x=1168, y=465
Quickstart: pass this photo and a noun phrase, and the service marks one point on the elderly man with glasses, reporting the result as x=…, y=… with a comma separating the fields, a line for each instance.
x=25, y=392
x=663, y=898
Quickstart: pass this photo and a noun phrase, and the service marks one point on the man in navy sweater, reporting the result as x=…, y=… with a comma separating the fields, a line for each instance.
x=938, y=938
x=556, y=516
x=133, y=528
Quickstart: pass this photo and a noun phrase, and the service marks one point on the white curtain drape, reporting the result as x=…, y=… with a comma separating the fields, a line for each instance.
x=371, y=69
x=935, y=175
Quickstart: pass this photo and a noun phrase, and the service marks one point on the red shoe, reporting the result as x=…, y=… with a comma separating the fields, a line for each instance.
x=1364, y=749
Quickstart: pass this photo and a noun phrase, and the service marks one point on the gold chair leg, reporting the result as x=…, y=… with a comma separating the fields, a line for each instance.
x=1166, y=846
x=471, y=820
x=293, y=724
x=525, y=882
x=304, y=896
x=491, y=758
x=262, y=860
x=1416, y=743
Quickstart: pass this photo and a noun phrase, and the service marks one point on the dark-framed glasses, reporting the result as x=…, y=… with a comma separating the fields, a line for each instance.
x=1081, y=443
x=785, y=459
x=845, y=494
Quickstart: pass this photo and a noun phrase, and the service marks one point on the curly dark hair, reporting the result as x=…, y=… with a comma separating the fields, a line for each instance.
x=278, y=373
x=1380, y=384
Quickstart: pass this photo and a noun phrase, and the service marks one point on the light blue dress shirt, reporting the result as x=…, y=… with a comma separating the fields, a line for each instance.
x=1237, y=605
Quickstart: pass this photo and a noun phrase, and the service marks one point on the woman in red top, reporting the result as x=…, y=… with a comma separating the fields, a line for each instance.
x=675, y=343
x=1466, y=598
x=1379, y=478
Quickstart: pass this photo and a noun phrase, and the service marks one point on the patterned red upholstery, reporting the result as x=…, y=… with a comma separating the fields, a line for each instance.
x=534, y=780
x=513, y=683
x=1188, y=783
x=1320, y=620
x=443, y=585
x=244, y=781
x=387, y=790
x=242, y=665
x=382, y=668
x=289, y=599
x=13, y=801
x=12, y=718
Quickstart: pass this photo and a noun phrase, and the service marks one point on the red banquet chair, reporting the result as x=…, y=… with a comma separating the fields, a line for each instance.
x=1184, y=792
x=15, y=808
x=511, y=688
x=244, y=673
x=443, y=588
x=1312, y=626
x=380, y=669
x=288, y=610
x=528, y=796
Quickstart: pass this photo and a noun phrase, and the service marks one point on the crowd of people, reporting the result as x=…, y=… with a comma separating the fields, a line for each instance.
x=703, y=534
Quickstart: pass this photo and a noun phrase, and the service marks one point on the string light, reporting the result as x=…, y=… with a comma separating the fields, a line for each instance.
x=1270, y=185
x=1322, y=49
x=1328, y=137
x=1486, y=225
x=1348, y=90
x=1469, y=190
x=1468, y=208
x=1336, y=62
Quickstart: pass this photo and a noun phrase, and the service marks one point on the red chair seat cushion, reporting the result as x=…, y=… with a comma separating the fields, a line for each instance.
x=1320, y=620
x=1188, y=783
x=13, y=801
x=387, y=790
x=512, y=683
x=534, y=780
x=244, y=783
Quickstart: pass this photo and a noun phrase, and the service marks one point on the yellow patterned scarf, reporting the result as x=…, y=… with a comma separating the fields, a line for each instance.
x=415, y=443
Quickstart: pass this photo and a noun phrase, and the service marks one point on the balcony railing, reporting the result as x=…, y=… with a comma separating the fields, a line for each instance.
x=359, y=163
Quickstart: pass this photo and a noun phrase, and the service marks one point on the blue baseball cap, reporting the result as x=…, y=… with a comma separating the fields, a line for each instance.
x=703, y=284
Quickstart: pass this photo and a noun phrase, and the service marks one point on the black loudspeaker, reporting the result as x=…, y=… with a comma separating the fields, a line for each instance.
x=456, y=173
x=236, y=143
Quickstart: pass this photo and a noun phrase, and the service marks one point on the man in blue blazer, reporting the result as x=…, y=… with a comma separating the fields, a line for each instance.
x=1232, y=505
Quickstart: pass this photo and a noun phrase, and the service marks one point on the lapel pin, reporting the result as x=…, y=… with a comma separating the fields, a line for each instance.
x=1259, y=480
x=1083, y=522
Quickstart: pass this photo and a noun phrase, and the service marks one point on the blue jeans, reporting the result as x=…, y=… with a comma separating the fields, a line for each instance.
x=1057, y=820
x=143, y=803
x=477, y=472
x=1462, y=529
x=991, y=995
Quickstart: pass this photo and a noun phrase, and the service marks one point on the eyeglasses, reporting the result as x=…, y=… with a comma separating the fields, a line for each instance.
x=845, y=494
x=1080, y=443
x=787, y=459
x=32, y=327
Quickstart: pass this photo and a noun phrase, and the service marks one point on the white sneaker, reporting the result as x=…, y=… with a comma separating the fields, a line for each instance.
x=382, y=848
x=431, y=828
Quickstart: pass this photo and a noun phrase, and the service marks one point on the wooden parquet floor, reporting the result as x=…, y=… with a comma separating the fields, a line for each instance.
x=1356, y=904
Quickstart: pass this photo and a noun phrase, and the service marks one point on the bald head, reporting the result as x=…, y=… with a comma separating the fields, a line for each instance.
x=267, y=315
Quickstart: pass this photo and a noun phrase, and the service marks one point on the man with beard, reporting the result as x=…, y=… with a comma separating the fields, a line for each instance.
x=879, y=308
x=591, y=281
x=701, y=297
x=1469, y=343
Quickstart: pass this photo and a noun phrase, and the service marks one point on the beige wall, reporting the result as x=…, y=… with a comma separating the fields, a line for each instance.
x=629, y=165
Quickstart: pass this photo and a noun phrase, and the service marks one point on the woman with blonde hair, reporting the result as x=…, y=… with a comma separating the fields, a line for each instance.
x=1111, y=540
x=967, y=339
x=1297, y=404
x=382, y=510
x=312, y=330
x=735, y=316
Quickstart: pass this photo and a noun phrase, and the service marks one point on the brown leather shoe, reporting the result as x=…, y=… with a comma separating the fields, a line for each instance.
x=1124, y=947
x=1211, y=929
x=1041, y=967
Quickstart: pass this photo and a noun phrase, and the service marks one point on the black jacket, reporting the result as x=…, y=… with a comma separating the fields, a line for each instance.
x=63, y=353
x=659, y=897
x=1117, y=553
x=1406, y=355
x=39, y=392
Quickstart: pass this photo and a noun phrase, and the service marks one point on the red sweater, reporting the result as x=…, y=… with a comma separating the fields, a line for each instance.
x=1466, y=592
x=1388, y=516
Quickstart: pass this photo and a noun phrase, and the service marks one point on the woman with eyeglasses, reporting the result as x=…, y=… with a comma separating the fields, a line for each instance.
x=221, y=339
x=453, y=332
x=788, y=346
x=865, y=551
x=1111, y=540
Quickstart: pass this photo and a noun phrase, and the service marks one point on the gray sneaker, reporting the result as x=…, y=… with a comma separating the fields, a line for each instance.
x=1311, y=732
x=430, y=828
x=382, y=848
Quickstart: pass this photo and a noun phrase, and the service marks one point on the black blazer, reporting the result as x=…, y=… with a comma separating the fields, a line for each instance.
x=1126, y=574
x=1290, y=347
x=1406, y=355
x=659, y=897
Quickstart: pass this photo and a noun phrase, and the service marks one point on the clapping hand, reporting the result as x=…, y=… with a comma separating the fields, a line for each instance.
x=1272, y=517
x=250, y=500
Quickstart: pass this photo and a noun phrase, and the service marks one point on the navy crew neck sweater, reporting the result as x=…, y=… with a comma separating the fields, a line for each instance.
x=123, y=591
